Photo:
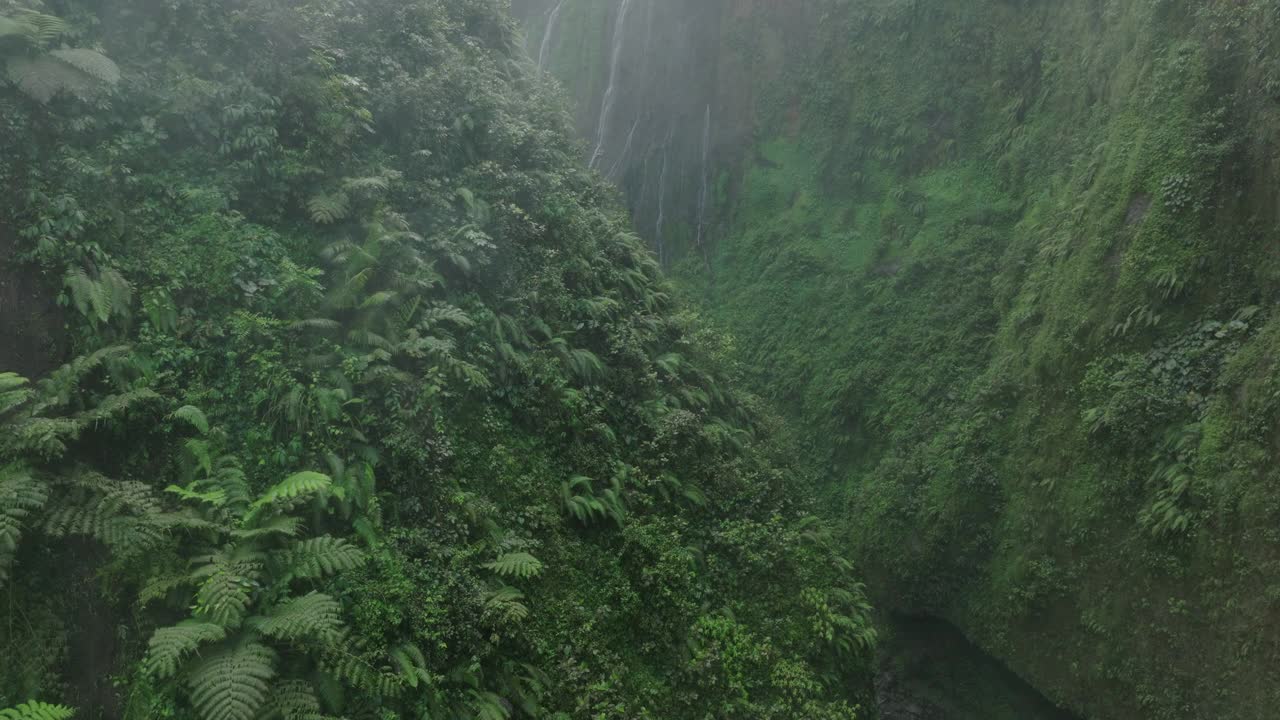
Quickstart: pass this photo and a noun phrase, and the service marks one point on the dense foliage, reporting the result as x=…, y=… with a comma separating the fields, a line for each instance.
x=1010, y=267
x=368, y=404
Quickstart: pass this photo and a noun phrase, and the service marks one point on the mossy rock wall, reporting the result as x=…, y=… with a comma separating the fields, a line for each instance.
x=1010, y=269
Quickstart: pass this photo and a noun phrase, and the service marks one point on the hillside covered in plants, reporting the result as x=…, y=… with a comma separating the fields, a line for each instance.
x=1009, y=271
x=334, y=385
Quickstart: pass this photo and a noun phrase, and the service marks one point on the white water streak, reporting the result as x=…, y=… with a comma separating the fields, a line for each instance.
x=626, y=150
x=702, y=196
x=552, y=20
x=662, y=185
x=606, y=105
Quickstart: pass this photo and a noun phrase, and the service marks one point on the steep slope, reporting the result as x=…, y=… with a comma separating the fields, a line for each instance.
x=374, y=407
x=1010, y=265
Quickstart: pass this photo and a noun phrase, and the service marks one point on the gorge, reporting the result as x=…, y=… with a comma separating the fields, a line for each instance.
x=1008, y=269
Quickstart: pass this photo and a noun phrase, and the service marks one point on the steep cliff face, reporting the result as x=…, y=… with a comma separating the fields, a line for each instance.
x=1010, y=268
x=651, y=104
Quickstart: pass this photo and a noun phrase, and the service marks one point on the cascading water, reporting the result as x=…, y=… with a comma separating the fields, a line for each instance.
x=702, y=195
x=662, y=186
x=606, y=105
x=552, y=20
x=626, y=150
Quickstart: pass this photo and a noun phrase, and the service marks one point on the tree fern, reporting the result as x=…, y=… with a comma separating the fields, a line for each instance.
x=520, y=565
x=171, y=645
x=37, y=711
x=232, y=683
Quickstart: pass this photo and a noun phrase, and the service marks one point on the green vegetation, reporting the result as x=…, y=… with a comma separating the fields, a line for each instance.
x=373, y=408
x=1009, y=269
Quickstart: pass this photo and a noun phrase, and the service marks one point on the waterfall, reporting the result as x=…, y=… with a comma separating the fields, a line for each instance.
x=606, y=105
x=626, y=149
x=552, y=19
x=662, y=184
x=702, y=195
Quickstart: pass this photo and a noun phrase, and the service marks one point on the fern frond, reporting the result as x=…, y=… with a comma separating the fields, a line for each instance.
x=294, y=700
x=521, y=565
x=232, y=684
x=329, y=209
x=14, y=391
x=21, y=494
x=379, y=299
x=285, y=525
x=214, y=497
x=115, y=406
x=505, y=603
x=37, y=711
x=47, y=27
x=314, y=615
x=193, y=416
x=225, y=592
x=322, y=324
x=297, y=485
x=170, y=646
x=487, y=706
x=90, y=62
x=323, y=556
x=446, y=313
x=411, y=663
x=160, y=586
x=370, y=185
x=358, y=672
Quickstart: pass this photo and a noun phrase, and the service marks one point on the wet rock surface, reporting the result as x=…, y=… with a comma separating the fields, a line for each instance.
x=898, y=701
x=930, y=671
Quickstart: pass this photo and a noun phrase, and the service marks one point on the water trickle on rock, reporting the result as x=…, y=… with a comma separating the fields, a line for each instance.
x=552, y=20
x=702, y=194
x=606, y=105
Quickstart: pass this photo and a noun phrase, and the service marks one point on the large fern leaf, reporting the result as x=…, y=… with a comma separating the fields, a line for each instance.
x=520, y=564
x=329, y=209
x=171, y=645
x=296, y=485
x=14, y=391
x=193, y=416
x=21, y=494
x=323, y=556
x=45, y=76
x=90, y=62
x=37, y=711
x=232, y=683
x=46, y=28
x=294, y=700
x=314, y=615
x=226, y=592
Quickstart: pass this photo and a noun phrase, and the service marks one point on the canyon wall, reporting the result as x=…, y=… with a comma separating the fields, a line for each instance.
x=1009, y=269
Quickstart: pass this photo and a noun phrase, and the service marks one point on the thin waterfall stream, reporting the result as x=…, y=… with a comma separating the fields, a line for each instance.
x=606, y=105
x=552, y=20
